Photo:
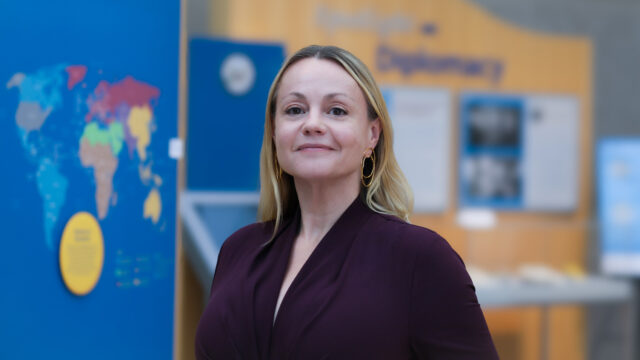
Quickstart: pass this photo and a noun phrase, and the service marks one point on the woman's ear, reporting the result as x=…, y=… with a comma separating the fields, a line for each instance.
x=374, y=132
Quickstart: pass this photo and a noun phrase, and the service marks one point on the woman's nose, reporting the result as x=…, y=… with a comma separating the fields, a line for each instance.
x=314, y=124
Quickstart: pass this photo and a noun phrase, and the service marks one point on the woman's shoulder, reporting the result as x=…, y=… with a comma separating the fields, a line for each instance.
x=256, y=229
x=248, y=237
x=414, y=239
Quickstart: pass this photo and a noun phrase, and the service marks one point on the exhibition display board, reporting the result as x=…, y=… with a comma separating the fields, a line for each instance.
x=88, y=106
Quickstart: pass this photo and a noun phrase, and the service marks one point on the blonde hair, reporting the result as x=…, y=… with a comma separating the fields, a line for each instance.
x=389, y=192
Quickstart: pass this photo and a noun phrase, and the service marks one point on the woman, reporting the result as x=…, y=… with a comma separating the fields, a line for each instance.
x=334, y=271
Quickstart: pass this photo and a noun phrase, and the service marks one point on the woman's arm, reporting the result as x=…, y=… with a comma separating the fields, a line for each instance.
x=446, y=321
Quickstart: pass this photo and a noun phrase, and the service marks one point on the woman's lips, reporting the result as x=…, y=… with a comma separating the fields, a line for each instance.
x=313, y=147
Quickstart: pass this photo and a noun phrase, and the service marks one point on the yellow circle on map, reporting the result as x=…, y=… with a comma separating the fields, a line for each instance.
x=81, y=253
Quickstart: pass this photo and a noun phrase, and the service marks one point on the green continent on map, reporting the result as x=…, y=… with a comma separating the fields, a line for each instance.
x=112, y=136
x=100, y=157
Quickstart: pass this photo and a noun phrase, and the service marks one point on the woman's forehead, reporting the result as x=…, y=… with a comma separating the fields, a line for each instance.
x=318, y=76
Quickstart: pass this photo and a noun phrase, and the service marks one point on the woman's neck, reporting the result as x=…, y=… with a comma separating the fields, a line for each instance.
x=322, y=203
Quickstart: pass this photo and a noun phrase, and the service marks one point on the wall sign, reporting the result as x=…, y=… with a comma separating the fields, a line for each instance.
x=228, y=88
x=417, y=61
x=408, y=61
x=81, y=253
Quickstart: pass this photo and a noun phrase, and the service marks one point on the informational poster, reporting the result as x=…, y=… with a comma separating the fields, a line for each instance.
x=518, y=152
x=421, y=119
x=618, y=185
x=551, y=161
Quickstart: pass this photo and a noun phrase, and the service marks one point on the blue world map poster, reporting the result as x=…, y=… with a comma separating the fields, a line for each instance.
x=88, y=104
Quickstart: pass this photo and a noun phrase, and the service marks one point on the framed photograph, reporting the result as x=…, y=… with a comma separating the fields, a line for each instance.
x=491, y=146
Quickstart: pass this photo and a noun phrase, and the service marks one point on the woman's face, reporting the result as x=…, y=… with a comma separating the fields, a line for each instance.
x=322, y=130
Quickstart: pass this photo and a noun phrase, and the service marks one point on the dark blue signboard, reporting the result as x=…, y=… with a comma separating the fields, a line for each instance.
x=228, y=87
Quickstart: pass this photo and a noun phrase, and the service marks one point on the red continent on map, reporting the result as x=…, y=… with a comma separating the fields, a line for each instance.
x=108, y=98
x=76, y=74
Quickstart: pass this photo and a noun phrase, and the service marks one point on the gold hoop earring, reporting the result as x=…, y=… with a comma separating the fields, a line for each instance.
x=369, y=177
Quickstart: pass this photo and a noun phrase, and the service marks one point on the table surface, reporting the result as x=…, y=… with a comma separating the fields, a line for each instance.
x=587, y=290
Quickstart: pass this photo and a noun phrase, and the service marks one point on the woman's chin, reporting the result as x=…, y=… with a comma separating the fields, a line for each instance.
x=319, y=175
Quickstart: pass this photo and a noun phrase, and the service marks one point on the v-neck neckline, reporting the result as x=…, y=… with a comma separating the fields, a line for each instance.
x=324, y=243
x=270, y=266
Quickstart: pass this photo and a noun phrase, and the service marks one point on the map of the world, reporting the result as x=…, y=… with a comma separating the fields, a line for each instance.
x=88, y=108
x=105, y=120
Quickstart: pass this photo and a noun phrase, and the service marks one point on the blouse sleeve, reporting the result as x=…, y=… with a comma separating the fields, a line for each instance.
x=218, y=272
x=446, y=321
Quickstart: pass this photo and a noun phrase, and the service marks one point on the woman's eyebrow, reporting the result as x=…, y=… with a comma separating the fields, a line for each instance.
x=333, y=95
x=296, y=94
x=300, y=96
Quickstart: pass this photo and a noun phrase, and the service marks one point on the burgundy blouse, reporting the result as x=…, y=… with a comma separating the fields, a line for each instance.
x=375, y=287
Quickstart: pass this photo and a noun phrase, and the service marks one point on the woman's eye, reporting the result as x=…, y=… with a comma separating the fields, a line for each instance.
x=336, y=111
x=293, y=111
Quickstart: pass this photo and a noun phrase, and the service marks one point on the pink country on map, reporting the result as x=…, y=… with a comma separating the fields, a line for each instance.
x=76, y=74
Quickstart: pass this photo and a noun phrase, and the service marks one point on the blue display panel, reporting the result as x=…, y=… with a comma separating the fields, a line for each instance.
x=228, y=87
x=88, y=104
x=618, y=170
